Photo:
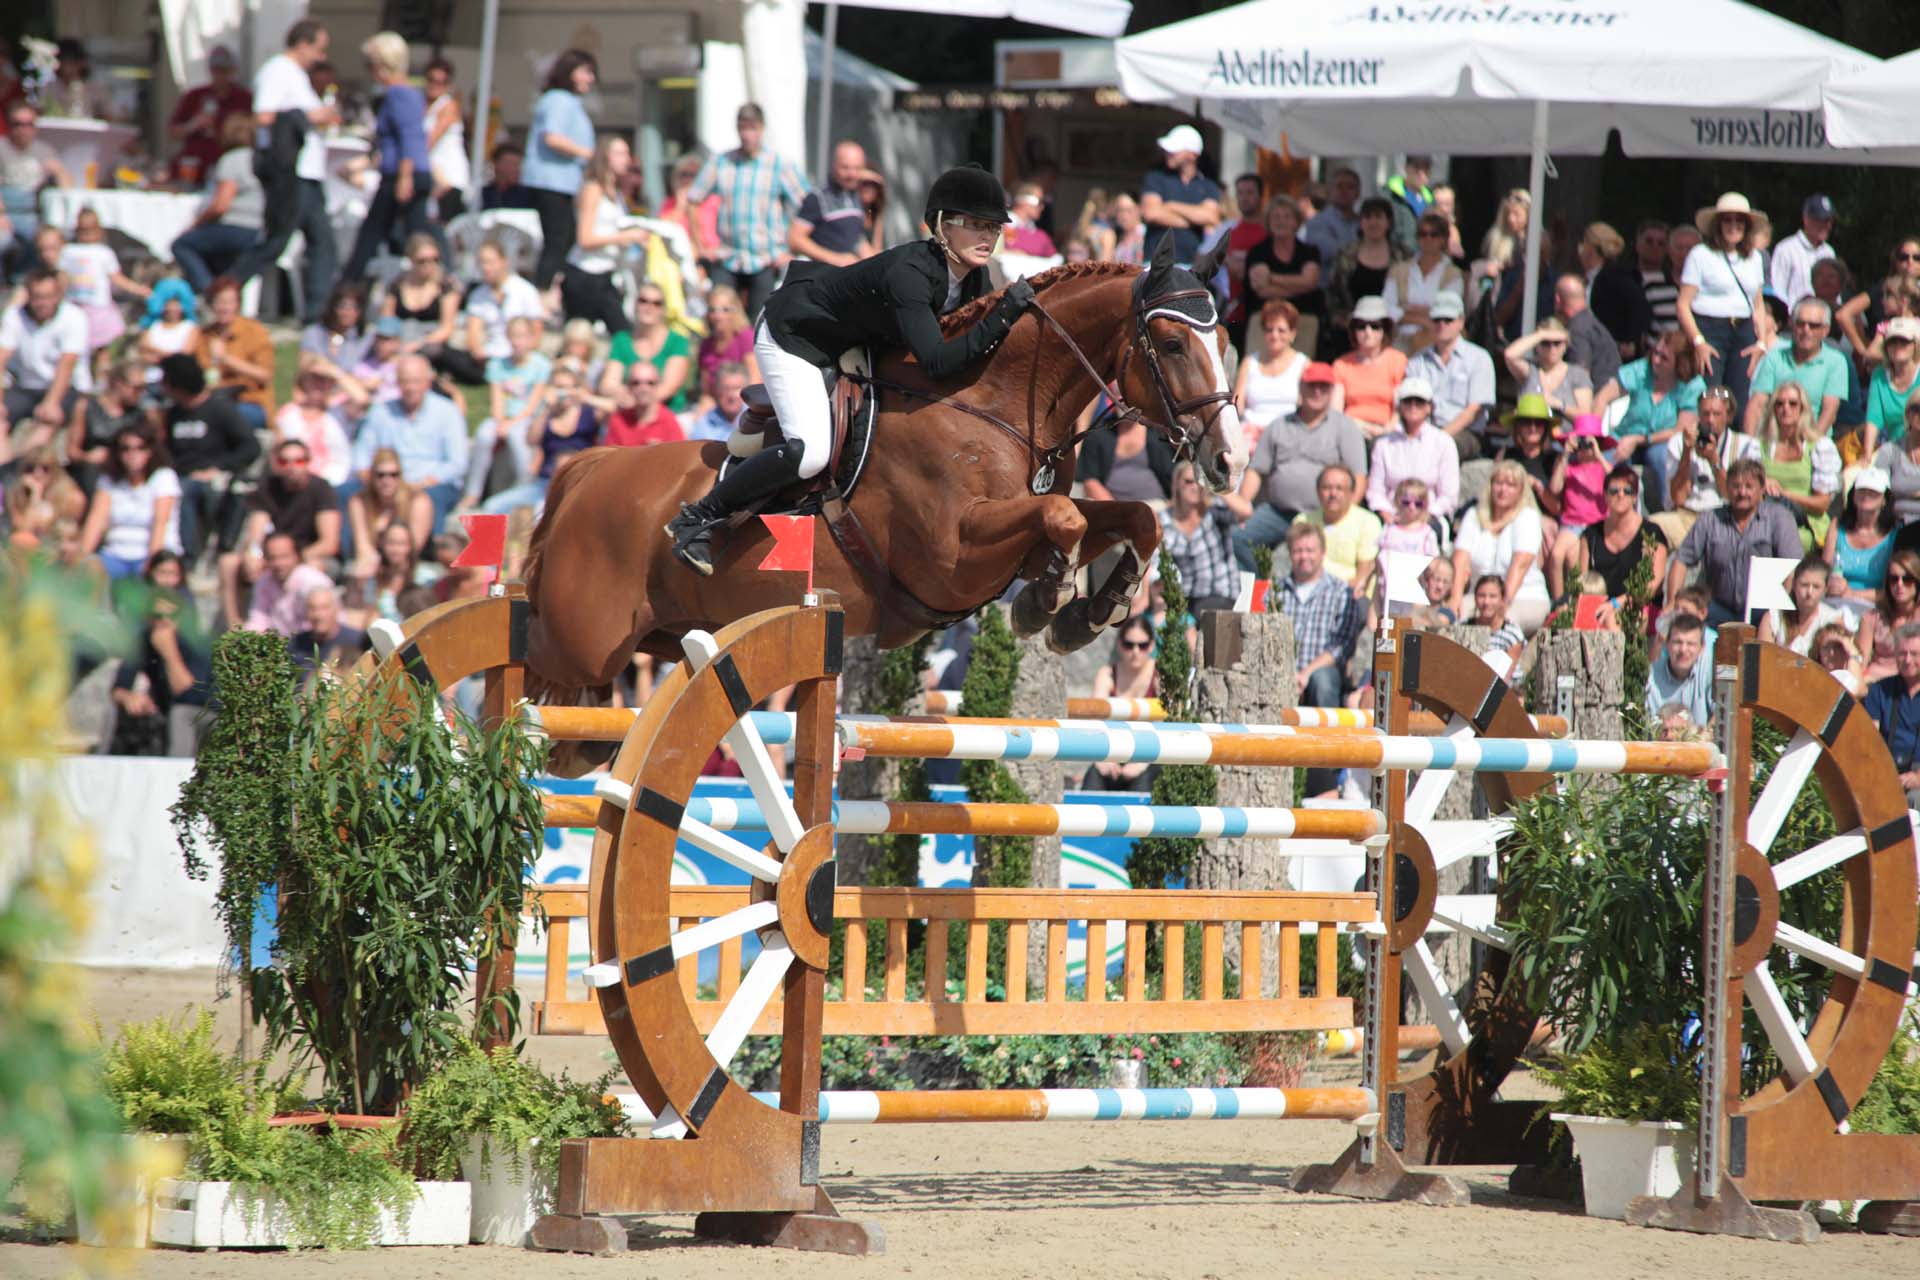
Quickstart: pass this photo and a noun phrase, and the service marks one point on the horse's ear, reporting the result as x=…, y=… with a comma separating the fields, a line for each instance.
x=1208, y=260
x=1162, y=262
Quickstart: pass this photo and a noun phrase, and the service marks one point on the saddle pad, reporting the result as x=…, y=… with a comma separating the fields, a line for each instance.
x=844, y=470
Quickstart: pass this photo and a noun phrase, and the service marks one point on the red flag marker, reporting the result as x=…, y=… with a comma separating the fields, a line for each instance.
x=792, y=545
x=486, y=542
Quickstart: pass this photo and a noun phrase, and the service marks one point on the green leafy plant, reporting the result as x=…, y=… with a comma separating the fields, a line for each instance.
x=1892, y=1102
x=900, y=681
x=169, y=1076
x=332, y=1182
x=1263, y=562
x=508, y=1103
x=1642, y=1074
x=1159, y=859
x=999, y=861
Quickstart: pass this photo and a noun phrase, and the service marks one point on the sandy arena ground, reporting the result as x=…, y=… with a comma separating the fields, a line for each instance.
x=1057, y=1201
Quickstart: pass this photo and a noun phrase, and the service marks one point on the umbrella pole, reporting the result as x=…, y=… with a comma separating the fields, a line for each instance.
x=482, y=99
x=823, y=121
x=1536, y=220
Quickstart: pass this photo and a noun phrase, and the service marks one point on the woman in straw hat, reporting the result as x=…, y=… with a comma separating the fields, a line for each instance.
x=1719, y=307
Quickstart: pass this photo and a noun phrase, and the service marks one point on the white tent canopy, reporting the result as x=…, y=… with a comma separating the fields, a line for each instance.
x=1676, y=77
x=1879, y=107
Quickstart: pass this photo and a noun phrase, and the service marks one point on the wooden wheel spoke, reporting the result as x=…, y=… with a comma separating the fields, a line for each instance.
x=1423, y=800
x=734, y=924
x=1425, y=973
x=1771, y=1008
x=750, y=752
x=1821, y=952
x=733, y=852
x=756, y=991
x=1771, y=806
x=1822, y=857
x=1457, y=840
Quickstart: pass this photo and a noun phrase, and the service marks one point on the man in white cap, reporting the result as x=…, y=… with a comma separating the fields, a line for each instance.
x=1460, y=373
x=1415, y=451
x=202, y=112
x=1179, y=200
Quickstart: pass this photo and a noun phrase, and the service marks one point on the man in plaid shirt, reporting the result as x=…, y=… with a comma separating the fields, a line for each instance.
x=1326, y=618
x=759, y=192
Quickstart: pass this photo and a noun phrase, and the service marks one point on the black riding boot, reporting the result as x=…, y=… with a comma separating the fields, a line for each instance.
x=746, y=482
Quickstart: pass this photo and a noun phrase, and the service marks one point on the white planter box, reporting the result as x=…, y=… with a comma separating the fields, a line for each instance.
x=212, y=1215
x=505, y=1203
x=1621, y=1159
x=128, y=1210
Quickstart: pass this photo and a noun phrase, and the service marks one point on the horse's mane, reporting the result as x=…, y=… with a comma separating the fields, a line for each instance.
x=962, y=318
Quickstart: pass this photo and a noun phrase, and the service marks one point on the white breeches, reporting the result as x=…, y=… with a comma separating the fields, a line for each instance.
x=799, y=394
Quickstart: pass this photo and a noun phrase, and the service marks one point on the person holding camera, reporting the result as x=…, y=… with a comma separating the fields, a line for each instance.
x=1700, y=453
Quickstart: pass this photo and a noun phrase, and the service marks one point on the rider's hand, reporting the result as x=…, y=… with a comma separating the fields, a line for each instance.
x=1018, y=296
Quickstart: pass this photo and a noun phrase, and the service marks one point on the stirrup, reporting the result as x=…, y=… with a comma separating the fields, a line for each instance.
x=692, y=532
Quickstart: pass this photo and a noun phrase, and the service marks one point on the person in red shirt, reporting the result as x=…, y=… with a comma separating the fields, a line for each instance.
x=641, y=417
x=201, y=111
x=1243, y=233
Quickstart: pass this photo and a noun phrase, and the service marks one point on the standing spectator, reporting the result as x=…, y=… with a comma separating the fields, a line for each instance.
x=640, y=417
x=1724, y=539
x=280, y=595
x=26, y=165
x=1892, y=385
x=1413, y=284
x=1240, y=236
x=758, y=193
x=1284, y=469
x=328, y=644
x=43, y=348
x=1411, y=199
x=1024, y=234
x=1600, y=246
x=1460, y=373
x=1679, y=674
x=74, y=94
x=1336, y=225
x=1177, y=199
x=446, y=143
x=1808, y=360
x=516, y=388
x=1864, y=313
x=236, y=352
x=135, y=509
x=653, y=341
x=560, y=141
x=504, y=189
x=292, y=163
x=831, y=226
x=1351, y=531
x=230, y=222
x=1366, y=376
x=309, y=420
x=1860, y=543
x=501, y=297
x=729, y=380
x=1791, y=269
x=1802, y=472
x=700, y=219
x=400, y=138
x=1589, y=344
x=199, y=121
x=566, y=426
x=1284, y=268
x=1502, y=268
x=729, y=337
x=1502, y=537
x=1415, y=450
x=1659, y=281
x=1129, y=232
x=426, y=302
x=426, y=432
x=211, y=445
x=1361, y=270
x=1719, y=305
x=588, y=288
x=1326, y=620
x=1267, y=388
x=1199, y=537
x=1662, y=390
x=1618, y=290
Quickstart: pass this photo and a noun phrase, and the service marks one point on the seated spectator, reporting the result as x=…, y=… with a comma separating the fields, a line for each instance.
x=290, y=499
x=328, y=643
x=280, y=594
x=1127, y=464
x=43, y=348
x=237, y=353
x=658, y=343
x=1860, y=542
x=504, y=190
x=563, y=426
x=1538, y=363
x=1283, y=470
x=1701, y=454
x=1199, y=537
x=211, y=446
x=1579, y=484
x=377, y=376
x=1414, y=284
x=729, y=338
x=1416, y=450
x=200, y=119
x=1682, y=673
x=135, y=509
x=1285, y=268
x=1460, y=373
x=1326, y=621
x=580, y=351
x=517, y=387
x=1892, y=386
x=392, y=568
x=1365, y=377
x=1501, y=538
x=729, y=380
x=40, y=497
x=1724, y=539
x=1504, y=635
x=117, y=404
x=1590, y=345
x=342, y=337
x=1267, y=388
x=501, y=297
x=174, y=661
x=1615, y=289
x=1893, y=703
x=425, y=299
x=93, y=275
x=1437, y=581
x=1803, y=474
x=1359, y=270
x=307, y=419
x=1797, y=627
x=1411, y=531
x=26, y=165
x=1615, y=547
x=426, y=431
x=1809, y=361
x=1898, y=603
x=1834, y=650
x=1024, y=233
x=169, y=328
x=1350, y=533
x=1901, y=461
x=1662, y=390
x=1532, y=427
x=383, y=499
x=231, y=221
x=639, y=418
x=1130, y=673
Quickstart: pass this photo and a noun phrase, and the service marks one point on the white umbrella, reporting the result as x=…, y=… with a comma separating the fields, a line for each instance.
x=1676, y=77
x=1879, y=107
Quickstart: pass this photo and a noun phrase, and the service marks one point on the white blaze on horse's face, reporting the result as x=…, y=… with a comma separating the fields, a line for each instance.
x=1219, y=449
x=1226, y=427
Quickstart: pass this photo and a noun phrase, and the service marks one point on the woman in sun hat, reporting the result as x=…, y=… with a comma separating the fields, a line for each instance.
x=1720, y=307
x=1366, y=377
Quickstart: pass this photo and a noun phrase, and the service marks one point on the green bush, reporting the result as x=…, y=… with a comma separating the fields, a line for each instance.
x=1643, y=1074
x=1159, y=859
x=507, y=1102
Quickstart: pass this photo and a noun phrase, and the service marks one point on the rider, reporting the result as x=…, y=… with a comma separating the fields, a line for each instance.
x=893, y=299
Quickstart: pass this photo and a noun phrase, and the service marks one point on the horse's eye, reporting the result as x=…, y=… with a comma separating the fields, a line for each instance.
x=1172, y=349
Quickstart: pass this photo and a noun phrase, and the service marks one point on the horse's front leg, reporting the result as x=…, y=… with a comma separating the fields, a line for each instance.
x=1129, y=525
x=1042, y=536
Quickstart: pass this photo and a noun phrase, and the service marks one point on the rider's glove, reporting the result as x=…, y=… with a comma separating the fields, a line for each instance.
x=1017, y=297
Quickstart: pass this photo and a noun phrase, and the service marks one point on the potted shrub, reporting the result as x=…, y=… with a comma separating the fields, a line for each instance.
x=499, y=1120
x=1632, y=1107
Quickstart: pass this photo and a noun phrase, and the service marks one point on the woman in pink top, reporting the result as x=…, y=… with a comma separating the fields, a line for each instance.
x=1580, y=482
x=729, y=339
x=1366, y=377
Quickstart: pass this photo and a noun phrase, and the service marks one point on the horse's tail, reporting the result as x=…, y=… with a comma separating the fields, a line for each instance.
x=569, y=477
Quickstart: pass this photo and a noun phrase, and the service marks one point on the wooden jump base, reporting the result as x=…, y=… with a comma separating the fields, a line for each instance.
x=757, y=1164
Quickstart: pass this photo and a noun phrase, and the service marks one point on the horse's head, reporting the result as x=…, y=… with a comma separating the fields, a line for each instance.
x=1181, y=380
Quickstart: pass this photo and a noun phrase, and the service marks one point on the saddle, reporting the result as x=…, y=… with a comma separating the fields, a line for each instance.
x=853, y=406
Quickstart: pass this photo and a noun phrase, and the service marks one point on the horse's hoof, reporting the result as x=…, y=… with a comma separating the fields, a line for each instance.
x=577, y=759
x=1029, y=615
x=1072, y=627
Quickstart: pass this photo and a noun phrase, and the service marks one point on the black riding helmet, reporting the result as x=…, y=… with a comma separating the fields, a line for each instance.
x=971, y=190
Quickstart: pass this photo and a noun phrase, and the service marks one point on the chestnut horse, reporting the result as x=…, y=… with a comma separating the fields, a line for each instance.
x=956, y=501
